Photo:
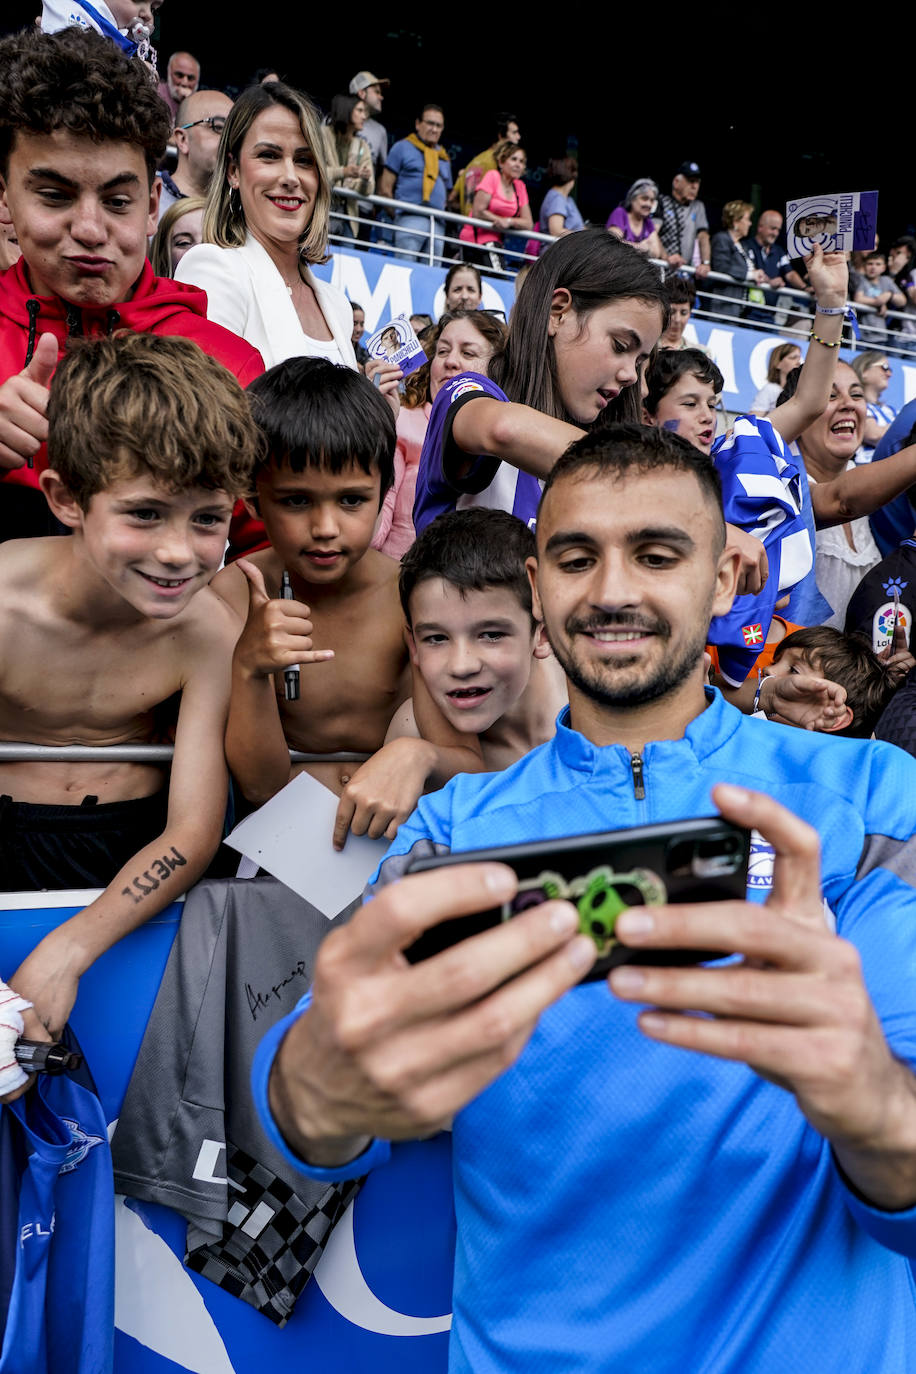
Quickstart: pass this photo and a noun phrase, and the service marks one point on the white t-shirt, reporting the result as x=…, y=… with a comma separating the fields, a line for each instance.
x=838, y=568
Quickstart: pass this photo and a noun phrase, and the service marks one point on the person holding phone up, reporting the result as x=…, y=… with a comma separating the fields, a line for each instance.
x=746, y=1208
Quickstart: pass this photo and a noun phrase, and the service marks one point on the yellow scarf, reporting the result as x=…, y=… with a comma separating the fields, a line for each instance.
x=431, y=159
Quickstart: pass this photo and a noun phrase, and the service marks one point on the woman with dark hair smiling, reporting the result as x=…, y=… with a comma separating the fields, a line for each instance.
x=265, y=223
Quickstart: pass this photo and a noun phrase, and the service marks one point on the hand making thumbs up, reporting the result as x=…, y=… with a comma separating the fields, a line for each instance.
x=23, y=403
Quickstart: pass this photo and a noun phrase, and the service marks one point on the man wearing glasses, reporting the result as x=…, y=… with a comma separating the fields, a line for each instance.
x=198, y=126
x=418, y=170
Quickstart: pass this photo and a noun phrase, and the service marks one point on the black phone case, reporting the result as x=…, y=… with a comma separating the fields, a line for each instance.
x=699, y=860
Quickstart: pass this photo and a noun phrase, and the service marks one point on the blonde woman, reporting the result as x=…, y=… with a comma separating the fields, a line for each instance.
x=265, y=224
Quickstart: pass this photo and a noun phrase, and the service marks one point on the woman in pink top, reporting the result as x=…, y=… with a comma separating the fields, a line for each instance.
x=462, y=341
x=502, y=196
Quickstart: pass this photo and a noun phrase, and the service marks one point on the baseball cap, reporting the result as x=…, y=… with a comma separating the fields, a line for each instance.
x=363, y=79
x=690, y=170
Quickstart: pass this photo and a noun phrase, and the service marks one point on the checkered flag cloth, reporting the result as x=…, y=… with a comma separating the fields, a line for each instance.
x=271, y=1239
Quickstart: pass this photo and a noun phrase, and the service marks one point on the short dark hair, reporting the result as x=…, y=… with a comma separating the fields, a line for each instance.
x=562, y=169
x=81, y=82
x=472, y=550
x=623, y=448
x=874, y=255
x=317, y=414
x=680, y=290
x=430, y=105
x=152, y=404
x=852, y=663
x=670, y=364
x=503, y=120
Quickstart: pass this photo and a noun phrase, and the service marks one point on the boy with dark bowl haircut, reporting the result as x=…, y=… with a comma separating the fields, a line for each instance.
x=329, y=461
x=474, y=641
x=150, y=442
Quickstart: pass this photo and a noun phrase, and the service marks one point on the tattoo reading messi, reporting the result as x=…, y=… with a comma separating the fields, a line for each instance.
x=154, y=876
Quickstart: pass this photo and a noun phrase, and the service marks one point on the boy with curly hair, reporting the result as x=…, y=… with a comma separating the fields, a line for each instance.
x=81, y=132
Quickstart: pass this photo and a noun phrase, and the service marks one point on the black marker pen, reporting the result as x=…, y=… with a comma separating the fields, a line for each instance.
x=290, y=675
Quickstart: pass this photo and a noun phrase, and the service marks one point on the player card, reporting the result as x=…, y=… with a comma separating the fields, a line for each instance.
x=396, y=342
x=843, y=223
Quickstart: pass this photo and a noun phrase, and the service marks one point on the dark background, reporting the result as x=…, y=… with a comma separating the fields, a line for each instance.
x=774, y=115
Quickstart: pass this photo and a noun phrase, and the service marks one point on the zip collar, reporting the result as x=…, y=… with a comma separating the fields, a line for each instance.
x=706, y=733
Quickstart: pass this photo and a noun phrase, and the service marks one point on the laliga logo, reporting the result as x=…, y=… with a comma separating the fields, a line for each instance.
x=760, y=864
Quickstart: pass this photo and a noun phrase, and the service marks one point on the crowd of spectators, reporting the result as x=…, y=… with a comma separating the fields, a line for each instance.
x=229, y=527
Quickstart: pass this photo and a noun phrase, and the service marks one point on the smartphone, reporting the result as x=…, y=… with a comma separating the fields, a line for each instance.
x=704, y=859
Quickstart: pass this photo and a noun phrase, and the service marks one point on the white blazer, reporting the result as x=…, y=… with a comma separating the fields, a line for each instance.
x=245, y=293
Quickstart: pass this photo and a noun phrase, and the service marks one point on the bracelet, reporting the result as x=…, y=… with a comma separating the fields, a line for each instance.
x=760, y=681
x=830, y=309
x=817, y=339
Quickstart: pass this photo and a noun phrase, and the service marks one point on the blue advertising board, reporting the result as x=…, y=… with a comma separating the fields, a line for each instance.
x=385, y=287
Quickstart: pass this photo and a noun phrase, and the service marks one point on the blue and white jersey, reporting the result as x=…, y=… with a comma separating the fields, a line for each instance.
x=761, y=493
x=57, y=1276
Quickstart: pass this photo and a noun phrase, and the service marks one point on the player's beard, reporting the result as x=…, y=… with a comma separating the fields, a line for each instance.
x=626, y=683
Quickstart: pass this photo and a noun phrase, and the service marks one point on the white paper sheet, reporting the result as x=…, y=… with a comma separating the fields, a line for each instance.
x=290, y=836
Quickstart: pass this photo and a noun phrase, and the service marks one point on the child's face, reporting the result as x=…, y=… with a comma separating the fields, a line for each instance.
x=874, y=268
x=155, y=547
x=319, y=523
x=689, y=408
x=474, y=651
x=127, y=12
x=795, y=661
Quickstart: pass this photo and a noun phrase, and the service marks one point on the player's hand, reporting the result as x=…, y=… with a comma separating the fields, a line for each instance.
x=387, y=377
x=753, y=568
x=23, y=405
x=828, y=276
x=796, y=1010
x=810, y=703
x=384, y=790
x=277, y=633
x=393, y=1050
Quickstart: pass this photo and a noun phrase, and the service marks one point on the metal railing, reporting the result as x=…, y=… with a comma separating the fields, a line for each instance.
x=18, y=752
x=452, y=245
x=443, y=249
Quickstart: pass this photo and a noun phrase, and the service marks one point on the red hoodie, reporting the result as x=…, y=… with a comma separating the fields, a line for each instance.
x=157, y=306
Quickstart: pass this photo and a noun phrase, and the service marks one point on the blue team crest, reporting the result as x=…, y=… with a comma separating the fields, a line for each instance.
x=760, y=863
x=895, y=584
x=80, y=1145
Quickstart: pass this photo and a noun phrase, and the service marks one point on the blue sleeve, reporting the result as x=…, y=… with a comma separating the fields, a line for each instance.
x=895, y=521
x=376, y=1153
x=761, y=494
x=875, y=909
x=395, y=159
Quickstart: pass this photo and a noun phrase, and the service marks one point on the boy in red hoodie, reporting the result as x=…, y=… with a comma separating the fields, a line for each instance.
x=81, y=132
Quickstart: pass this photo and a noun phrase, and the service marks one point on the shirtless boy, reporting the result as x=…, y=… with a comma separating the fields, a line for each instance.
x=330, y=445
x=150, y=442
x=473, y=638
